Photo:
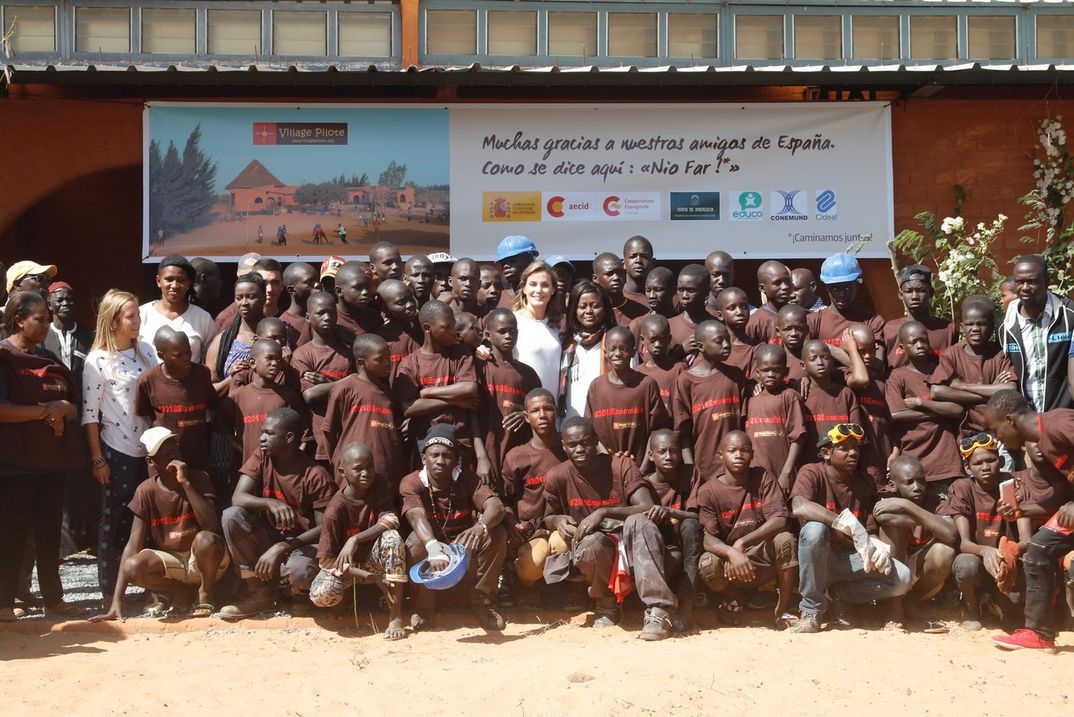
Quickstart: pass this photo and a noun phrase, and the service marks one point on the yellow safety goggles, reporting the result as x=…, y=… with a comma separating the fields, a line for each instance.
x=842, y=431
x=984, y=440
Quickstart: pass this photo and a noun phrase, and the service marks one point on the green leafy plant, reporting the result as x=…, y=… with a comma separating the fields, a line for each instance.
x=963, y=257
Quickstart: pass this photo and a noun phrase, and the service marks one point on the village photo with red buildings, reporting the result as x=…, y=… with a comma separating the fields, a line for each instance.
x=224, y=180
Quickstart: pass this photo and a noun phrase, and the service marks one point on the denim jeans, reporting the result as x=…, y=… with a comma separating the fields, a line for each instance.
x=127, y=473
x=1045, y=549
x=824, y=568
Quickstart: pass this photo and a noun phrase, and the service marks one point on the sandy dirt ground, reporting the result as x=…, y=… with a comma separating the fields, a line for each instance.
x=234, y=238
x=541, y=665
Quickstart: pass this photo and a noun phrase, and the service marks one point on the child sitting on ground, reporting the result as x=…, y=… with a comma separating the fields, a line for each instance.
x=909, y=522
x=175, y=542
x=748, y=545
x=360, y=542
x=674, y=483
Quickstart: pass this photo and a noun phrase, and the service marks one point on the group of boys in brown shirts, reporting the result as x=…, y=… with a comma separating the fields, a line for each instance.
x=788, y=449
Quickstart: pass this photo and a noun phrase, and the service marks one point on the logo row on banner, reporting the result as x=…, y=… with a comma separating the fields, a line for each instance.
x=780, y=205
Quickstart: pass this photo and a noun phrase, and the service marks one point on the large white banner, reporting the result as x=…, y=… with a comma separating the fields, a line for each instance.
x=759, y=181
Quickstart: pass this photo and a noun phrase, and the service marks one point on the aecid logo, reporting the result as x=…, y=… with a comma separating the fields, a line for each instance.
x=827, y=209
x=612, y=206
x=555, y=206
x=750, y=207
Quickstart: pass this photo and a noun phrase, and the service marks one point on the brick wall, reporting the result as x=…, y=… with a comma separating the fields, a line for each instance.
x=76, y=192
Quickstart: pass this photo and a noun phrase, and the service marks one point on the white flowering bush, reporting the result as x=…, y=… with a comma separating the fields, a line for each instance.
x=963, y=257
x=1053, y=175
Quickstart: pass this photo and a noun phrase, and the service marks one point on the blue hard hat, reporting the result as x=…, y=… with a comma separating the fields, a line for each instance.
x=839, y=269
x=515, y=245
x=557, y=259
x=449, y=577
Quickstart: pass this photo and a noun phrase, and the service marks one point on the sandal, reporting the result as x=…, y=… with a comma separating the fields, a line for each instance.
x=729, y=612
x=935, y=628
x=203, y=609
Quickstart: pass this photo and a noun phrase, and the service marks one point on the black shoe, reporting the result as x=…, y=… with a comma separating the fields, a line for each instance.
x=507, y=589
x=486, y=615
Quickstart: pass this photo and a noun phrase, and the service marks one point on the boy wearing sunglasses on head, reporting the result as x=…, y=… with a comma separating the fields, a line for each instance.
x=975, y=506
x=838, y=552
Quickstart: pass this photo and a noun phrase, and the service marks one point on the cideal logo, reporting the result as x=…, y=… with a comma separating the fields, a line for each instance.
x=827, y=210
x=612, y=206
x=750, y=207
x=792, y=205
x=555, y=206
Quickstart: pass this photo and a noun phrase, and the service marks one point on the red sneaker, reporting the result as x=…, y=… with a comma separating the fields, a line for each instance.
x=1023, y=639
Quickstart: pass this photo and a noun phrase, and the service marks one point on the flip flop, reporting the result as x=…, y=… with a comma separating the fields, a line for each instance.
x=203, y=609
x=935, y=628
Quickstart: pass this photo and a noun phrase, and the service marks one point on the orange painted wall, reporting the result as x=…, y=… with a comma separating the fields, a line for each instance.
x=71, y=189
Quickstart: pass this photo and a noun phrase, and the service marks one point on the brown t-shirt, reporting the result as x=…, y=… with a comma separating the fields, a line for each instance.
x=682, y=329
x=345, y=517
x=957, y=363
x=453, y=511
x=1057, y=439
x=857, y=494
x=30, y=447
x=987, y=526
x=827, y=407
x=402, y=341
x=741, y=357
x=625, y=414
x=1031, y=487
x=706, y=408
x=762, y=326
x=933, y=441
x=286, y=377
x=167, y=513
x=874, y=405
x=298, y=329
x=249, y=406
x=942, y=334
x=773, y=423
x=729, y=512
x=629, y=310
x=351, y=326
x=307, y=491
x=524, y=471
x=362, y=411
x=182, y=406
x=503, y=386
x=828, y=325
x=920, y=536
x=328, y=362
x=664, y=373
x=677, y=494
x=613, y=480
x=795, y=369
x=421, y=370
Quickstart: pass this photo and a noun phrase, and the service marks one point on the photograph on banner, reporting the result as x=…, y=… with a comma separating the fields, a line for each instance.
x=759, y=181
x=223, y=180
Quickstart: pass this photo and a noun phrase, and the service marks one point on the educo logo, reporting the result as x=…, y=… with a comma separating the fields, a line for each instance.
x=750, y=207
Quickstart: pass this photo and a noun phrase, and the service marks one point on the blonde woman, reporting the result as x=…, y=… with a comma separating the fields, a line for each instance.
x=109, y=388
x=538, y=314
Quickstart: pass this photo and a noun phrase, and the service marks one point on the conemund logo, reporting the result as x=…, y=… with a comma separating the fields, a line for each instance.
x=750, y=207
x=612, y=206
x=826, y=206
x=555, y=206
x=790, y=203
